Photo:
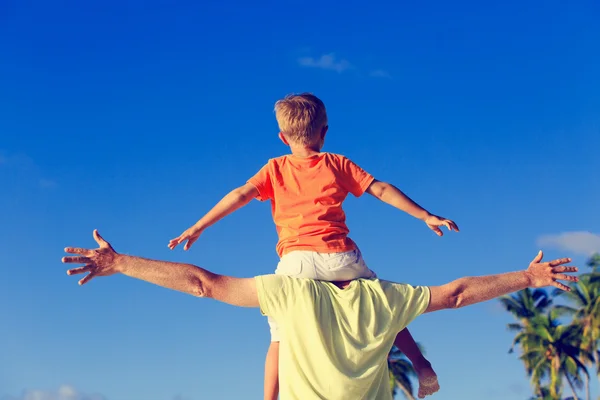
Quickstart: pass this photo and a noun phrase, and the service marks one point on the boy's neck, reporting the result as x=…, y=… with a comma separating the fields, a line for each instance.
x=304, y=151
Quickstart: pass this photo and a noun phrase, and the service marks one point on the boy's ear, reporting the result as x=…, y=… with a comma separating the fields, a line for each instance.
x=283, y=139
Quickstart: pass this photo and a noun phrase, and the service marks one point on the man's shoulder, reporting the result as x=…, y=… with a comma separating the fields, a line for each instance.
x=286, y=283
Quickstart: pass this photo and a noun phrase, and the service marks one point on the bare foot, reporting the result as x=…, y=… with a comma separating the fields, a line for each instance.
x=428, y=381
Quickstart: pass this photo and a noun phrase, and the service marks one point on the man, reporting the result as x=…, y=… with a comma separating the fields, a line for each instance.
x=337, y=335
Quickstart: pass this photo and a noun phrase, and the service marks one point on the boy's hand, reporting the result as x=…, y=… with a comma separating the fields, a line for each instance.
x=434, y=222
x=191, y=235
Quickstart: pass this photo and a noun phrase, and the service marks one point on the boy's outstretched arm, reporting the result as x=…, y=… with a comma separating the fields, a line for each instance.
x=393, y=196
x=233, y=200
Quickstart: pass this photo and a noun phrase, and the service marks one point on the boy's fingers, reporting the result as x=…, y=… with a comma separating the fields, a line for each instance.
x=190, y=242
x=437, y=230
x=176, y=241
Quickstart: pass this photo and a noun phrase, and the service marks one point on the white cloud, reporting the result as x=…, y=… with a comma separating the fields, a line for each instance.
x=326, y=61
x=65, y=392
x=380, y=73
x=585, y=243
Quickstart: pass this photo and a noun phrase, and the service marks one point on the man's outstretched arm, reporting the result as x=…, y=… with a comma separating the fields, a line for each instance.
x=466, y=291
x=187, y=278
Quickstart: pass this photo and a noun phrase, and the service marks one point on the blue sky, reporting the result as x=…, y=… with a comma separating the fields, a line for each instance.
x=136, y=117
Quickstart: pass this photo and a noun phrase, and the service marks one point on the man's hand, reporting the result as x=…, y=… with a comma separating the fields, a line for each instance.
x=434, y=222
x=102, y=261
x=542, y=274
x=191, y=235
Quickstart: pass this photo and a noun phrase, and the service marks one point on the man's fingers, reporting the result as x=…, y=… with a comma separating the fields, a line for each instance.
x=454, y=226
x=100, y=240
x=86, y=278
x=564, y=277
x=559, y=261
x=76, y=250
x=538, y=258
x=76, y=260
x=562, y=287
x=565, y=269
x=447, y=225
x=80, y=270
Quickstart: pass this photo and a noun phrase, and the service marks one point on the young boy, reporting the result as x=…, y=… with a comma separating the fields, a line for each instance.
x=307, y=189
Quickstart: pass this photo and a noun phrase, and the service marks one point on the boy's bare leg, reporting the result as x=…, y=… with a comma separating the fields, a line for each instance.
x=272, y=372
x=428, y=382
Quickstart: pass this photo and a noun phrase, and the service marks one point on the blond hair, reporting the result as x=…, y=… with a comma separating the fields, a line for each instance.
x=301, y=118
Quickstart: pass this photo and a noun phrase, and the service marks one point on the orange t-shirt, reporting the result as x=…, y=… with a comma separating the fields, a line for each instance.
x=306, y=200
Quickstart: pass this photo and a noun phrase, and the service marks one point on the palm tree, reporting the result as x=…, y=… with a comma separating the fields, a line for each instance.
x=551, y=352
x=525, y=305
x=401, y=373
x=585, y=311
x=544, y=394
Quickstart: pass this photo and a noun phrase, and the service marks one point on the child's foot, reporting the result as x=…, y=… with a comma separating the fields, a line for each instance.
x=428, y=381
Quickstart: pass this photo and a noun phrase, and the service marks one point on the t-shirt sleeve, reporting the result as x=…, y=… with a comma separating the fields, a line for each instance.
x=273, y=295
x=355, y=179
x=407, y=302
x=262, y=182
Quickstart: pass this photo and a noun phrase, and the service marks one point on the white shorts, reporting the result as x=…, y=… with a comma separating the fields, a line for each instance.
x=330, y=267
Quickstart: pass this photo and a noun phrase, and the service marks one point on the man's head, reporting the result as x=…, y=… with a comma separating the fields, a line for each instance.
x=302, y=120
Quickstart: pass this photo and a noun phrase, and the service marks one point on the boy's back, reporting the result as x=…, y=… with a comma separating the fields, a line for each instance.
x=306, y=197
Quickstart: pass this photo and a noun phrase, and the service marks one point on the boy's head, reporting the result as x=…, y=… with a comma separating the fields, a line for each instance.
x=302, y=119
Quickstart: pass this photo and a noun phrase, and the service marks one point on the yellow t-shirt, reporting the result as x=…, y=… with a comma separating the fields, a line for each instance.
x=335, y=342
